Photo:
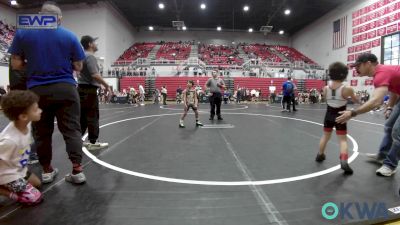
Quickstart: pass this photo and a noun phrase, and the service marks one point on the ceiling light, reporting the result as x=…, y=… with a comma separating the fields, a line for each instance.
x=250, y=30
x=219, y=28
x=161, y=6
x=13, y=2
x=184, y=28
x=151, y=28
x=246, y=8
x=287, y=11
x=281, y=32
x=203, y=6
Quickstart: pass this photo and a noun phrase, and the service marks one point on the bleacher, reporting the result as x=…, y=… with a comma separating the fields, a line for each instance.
x=293, y=55
x=7, y=33
x=174, y=51
x=260, y=51
x=219, y=55
x=137, y=50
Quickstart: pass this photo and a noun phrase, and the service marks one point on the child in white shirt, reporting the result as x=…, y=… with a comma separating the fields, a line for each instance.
x=16, y=182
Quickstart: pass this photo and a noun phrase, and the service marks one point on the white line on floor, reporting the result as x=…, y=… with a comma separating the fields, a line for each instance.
x=269, y=209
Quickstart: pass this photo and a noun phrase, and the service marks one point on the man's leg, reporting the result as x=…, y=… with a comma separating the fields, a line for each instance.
x=212, y=108
x=387, y=140
x=68, y=118
x=43, y=132
x=218, y=102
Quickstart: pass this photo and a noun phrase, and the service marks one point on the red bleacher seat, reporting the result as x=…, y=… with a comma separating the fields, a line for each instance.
x=137, y=50
x=219, y=55
x=174, y=51
x=260, y=51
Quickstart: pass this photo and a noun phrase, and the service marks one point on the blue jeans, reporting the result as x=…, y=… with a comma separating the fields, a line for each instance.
x=390, y=145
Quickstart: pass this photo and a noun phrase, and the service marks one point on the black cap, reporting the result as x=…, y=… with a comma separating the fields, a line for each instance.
x=365, y=57
x=86, y=40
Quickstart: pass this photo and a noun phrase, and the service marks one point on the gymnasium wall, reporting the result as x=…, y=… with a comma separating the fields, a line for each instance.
x=210, y=37
x=316, y=40
x=8, y=15
x=103, y=21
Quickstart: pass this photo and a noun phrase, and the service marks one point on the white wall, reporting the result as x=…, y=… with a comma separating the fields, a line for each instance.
x=4, y=81
x=112, y=82
x=8, y=15
x=210, y=37
x=316, y=39
x=103, y=21
x=119, y=35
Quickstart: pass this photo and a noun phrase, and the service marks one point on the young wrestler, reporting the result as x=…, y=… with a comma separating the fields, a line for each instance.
x=336, y=94
x=190, y=100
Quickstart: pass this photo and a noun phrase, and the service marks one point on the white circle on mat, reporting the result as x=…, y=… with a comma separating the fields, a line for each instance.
x=220, y=183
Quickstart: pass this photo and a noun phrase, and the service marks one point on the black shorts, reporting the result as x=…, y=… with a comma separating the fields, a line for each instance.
x=329, y=121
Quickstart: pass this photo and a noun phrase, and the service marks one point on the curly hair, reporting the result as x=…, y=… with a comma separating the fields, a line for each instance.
x=338, y=71
x=17, y=102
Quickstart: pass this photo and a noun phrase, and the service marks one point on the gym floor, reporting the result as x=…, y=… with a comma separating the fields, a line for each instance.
x=254, y=167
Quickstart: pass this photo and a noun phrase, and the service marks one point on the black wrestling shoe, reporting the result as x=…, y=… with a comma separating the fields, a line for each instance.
x=320, y=157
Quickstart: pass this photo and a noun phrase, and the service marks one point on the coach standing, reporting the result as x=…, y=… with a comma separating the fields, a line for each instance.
x=49, y=57
x=89, y=81
x=386, y=80
x=216, y=86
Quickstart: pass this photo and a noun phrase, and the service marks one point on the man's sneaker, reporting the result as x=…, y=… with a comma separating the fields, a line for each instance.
x=375, y=158
x=86, y=144
x=199, y=124
x=345, y=166
x=211, y=118
x=220, y=118
x=181, y=124
x=97, y=145
x=320, y=157
x=284, y=110
x=30, y=196
x=49, y=177
x=76, y=178
x=385, y=171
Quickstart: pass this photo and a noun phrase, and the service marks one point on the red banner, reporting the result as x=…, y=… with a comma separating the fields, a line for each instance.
x=392, y=28
x=350, y=58
x=354, y=82
x=368, y=82
x=382, y=31
x=376, y=42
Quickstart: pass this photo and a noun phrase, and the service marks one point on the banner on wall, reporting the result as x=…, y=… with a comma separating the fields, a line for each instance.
x=368, y=82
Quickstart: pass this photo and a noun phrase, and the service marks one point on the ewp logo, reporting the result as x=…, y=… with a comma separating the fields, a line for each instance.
x=37, y=21
x=331, y=211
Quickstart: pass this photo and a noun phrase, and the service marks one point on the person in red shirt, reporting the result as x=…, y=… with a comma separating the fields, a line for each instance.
x=386, y=79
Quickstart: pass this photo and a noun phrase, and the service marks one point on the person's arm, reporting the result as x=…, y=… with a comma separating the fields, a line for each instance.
x=17, y=63
x=375, y=101
x=393, y=98
x=184, y=98
x=324, y=93
x=77, y=66
x=7, y=148
x=91, y=63
x=349, y=92
x=77, y=53
x=196, y=99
